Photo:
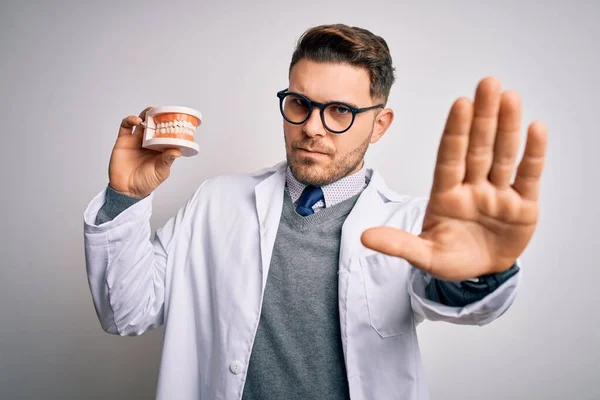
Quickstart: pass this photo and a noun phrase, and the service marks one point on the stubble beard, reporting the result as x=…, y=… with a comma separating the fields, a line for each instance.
x=304, y=171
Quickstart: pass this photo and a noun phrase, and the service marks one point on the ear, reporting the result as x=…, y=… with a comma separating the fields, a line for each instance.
x=382, y=123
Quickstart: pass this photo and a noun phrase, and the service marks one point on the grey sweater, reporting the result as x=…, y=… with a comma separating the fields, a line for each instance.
x=297, y=353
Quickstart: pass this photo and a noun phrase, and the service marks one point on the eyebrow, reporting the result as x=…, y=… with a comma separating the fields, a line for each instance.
x=328, y=101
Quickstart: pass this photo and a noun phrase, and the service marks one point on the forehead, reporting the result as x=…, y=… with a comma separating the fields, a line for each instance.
x=331, y=81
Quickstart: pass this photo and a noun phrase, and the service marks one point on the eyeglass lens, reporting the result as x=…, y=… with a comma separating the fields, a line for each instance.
x=337, y=117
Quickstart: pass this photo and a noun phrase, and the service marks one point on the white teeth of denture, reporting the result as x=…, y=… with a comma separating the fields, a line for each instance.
x=176, y=127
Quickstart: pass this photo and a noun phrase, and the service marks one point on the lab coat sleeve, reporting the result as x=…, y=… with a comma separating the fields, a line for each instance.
x=126, y=268
x=462, y=293
x=480, y=312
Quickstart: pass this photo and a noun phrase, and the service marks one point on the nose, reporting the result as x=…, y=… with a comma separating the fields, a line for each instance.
x=314, y=126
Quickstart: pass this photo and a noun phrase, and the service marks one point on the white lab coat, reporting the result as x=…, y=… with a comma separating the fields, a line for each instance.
x=204, y=274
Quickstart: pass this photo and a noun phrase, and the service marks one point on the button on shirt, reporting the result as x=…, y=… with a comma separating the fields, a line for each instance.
x=333, y=193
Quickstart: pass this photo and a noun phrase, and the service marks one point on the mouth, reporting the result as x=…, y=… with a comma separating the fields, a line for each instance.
x=311, y=151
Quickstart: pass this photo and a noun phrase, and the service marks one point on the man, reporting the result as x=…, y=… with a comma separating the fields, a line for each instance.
x=306, y=280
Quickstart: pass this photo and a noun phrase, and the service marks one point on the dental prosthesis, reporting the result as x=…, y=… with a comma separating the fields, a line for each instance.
x=172, y=127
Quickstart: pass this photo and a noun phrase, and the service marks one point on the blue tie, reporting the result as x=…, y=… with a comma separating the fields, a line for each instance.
x=309, y=197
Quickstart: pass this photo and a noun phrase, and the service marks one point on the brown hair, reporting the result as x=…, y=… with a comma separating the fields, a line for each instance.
x=356, y=46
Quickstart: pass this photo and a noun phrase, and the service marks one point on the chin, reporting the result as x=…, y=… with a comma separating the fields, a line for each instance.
x=311, y=172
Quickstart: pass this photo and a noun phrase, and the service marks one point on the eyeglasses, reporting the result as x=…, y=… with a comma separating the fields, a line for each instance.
x=337, y=117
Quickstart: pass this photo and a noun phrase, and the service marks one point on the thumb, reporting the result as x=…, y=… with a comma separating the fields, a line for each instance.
x=169, y=155
x=395, y=242
x=165, y=161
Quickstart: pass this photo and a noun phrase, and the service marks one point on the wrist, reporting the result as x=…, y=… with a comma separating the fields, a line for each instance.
x=126, y=194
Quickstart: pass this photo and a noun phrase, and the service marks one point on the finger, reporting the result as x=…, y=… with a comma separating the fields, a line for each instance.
x=128, y=123
x=527, y=181
x=165, y=161
x=140, y=129
x=450, y=164
x=483, y=130
x=507, y=140
x=394, y=242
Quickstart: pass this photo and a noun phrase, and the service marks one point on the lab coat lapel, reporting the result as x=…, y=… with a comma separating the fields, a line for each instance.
x=269, y=205
x=366, y=213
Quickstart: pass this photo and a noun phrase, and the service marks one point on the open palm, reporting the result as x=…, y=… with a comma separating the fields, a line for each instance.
x=476, y=222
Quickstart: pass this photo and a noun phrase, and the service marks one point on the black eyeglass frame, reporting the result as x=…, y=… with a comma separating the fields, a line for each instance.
x=282, y=94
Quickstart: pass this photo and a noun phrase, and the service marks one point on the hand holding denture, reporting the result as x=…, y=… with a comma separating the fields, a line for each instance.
x=135, y=170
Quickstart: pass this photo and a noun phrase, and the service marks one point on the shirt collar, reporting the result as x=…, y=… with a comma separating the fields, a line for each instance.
x=335, y=192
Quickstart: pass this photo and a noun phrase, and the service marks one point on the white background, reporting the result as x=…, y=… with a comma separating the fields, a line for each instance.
x=69, y=72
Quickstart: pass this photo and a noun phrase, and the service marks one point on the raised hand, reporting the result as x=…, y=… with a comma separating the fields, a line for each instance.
x=476, y=222
x=134, y=170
